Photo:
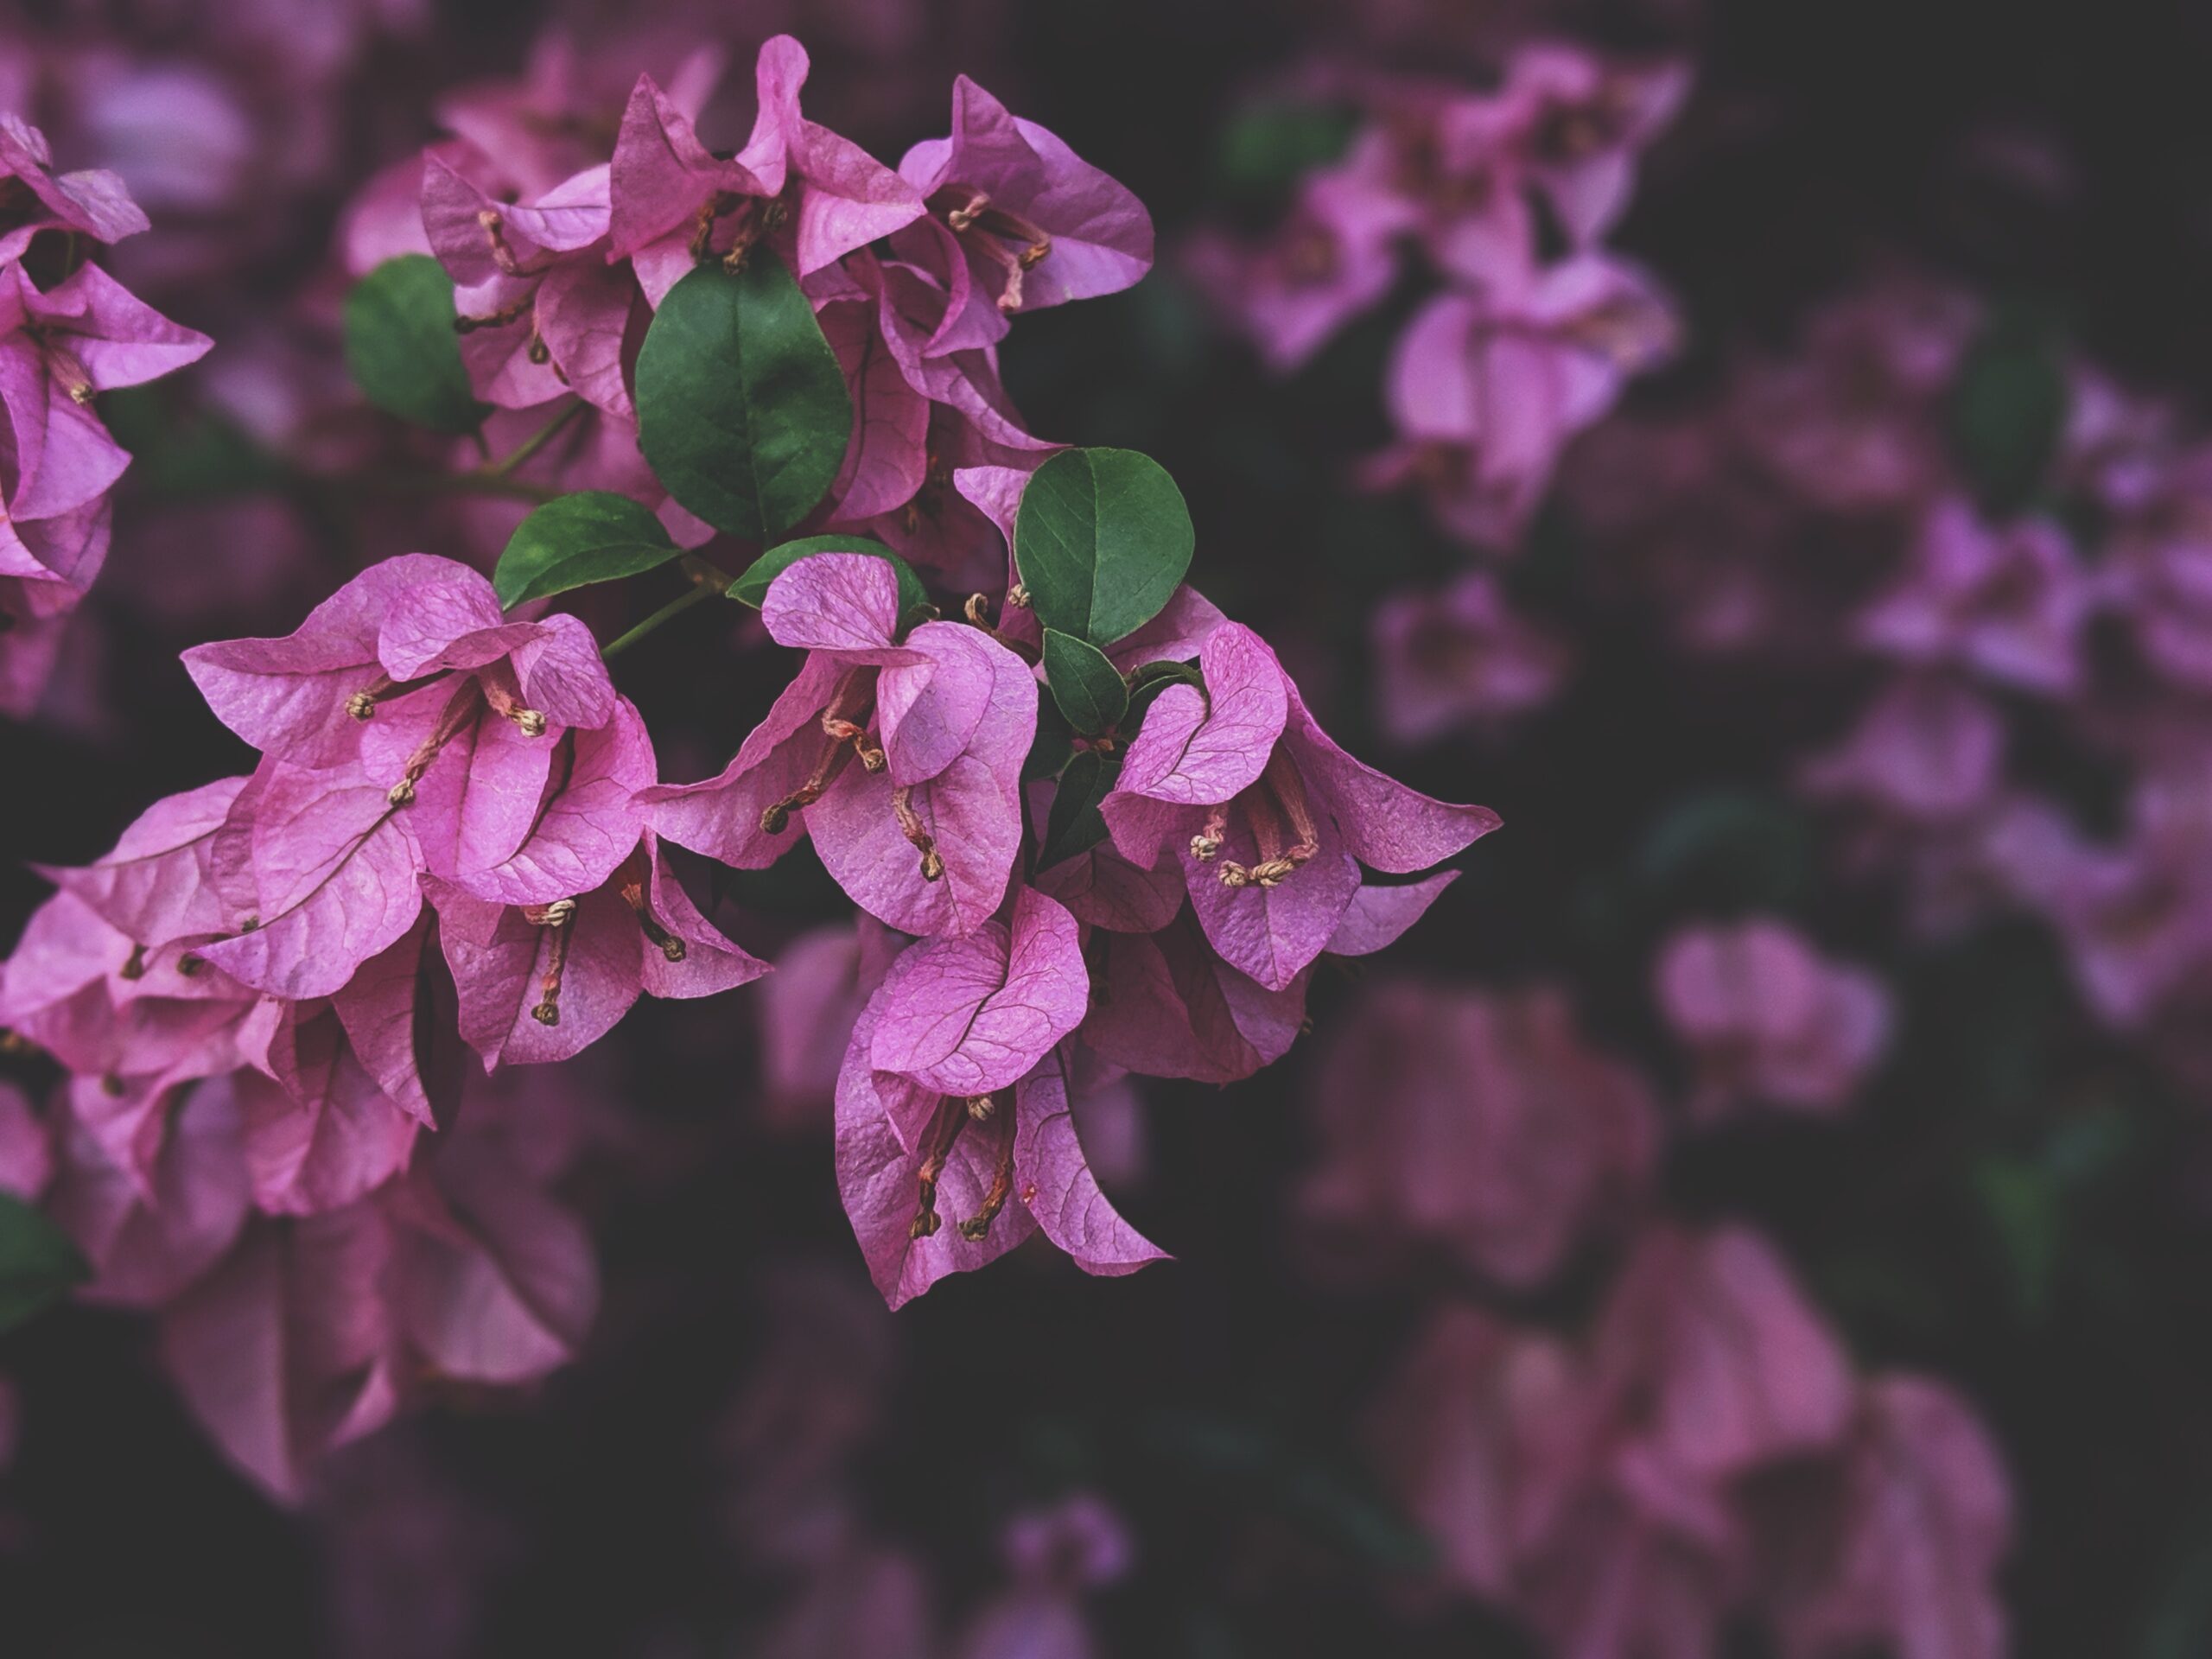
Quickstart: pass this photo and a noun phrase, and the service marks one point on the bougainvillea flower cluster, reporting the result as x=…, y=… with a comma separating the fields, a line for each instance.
x=454, y=838
x=68, y=332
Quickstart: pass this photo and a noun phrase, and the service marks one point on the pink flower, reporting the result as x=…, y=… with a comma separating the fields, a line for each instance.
x=675, y=202
x=312, y=1332
x=1927, y=750
x=1334, y=259
x=1850, y=420
x=926, y=1127
x=2137, y=923
x=900, y=757
x=150, y=1234
x=2160, y=576
x=1487, y=388
x=1590, y=121
x=1016, y=221
x=1168, y=1006
x=1909, y=1554
x=414, y=641
x=1458, y=657
x=807, y=1007
x=1270, y=819
x=94, y=203
x=58, y=349
x=46, y=566
x=1056, y=1554
x=1720, y=1361
x=1479, y=1124
x=1484, y=1432
x=920, y=418
x=1631, y=1574
x=2008, y=604
x=540, y=309
x=129, y=1024
x=1767, y=1020
x=543, y=981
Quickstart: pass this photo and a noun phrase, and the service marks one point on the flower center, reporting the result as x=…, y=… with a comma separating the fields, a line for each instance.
x=64, y=365
x=997, y=235
x=460, y=710
x=554, y=918
x=749, y=219
x=954, y=1114
x=631, y=881
x=1281, y=820
x=844, y=731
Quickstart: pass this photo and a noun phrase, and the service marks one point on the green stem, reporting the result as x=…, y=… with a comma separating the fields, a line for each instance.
x=706, y=572
x=683, y=601
x=536, y=442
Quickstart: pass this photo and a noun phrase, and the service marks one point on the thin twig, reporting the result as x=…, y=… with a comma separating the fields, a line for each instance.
x=683, y=601
x=530, y=445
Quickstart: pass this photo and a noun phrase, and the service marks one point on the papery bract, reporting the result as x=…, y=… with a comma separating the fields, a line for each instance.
x=1270, y=817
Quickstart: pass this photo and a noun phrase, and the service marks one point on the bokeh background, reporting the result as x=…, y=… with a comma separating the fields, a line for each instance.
x=1946, y=256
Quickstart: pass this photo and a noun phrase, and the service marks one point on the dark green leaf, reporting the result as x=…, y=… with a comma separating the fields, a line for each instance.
x=1728, y=851
x=592, y=536
x=1053, y=746
x=1268, y=146
x=752, y=588
x=2008, y=409
x=1149, y=681
x=38, y=1262
x=1103, y=539
x=742, y=411
x=1088, y=688
x=401, y=348
x=2026, y=1212
x=1074, y=825
x=196, y=453
x=1312, y=1491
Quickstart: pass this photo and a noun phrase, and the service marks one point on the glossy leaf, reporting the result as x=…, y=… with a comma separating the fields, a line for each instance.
x=742, y=411
x=1088, y=688
x=1074, y=825
x=592, y=535
x=1103, y=541
x=401, y=348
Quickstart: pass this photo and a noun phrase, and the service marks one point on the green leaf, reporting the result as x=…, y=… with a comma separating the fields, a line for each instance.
x=742, y=411
x=1103, y=539
x=1075, y=825
x=2026, y=1212
x=1269, y=145
x=38, y=1262
x=401, y=348
x=1729, y=852
x=1088, y=688
x=1053, y=747
x=1149, y=681
x=752, y=588
x=592, y=535
x=2009, y=407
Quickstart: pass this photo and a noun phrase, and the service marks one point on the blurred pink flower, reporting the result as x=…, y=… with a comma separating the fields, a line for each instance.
x=1768, y=1021
x=1457, y=657
x=1479, y=1124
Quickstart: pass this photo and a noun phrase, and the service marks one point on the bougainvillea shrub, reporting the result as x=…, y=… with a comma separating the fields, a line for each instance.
x=745, y=907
